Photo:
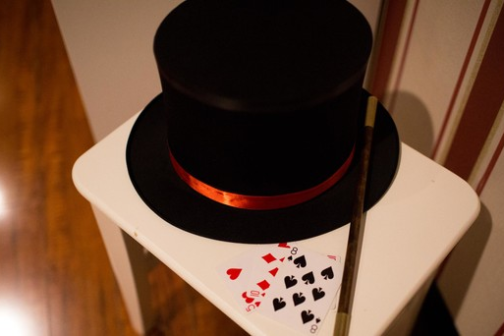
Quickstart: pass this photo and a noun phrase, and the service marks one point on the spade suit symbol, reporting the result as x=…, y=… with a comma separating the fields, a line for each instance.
x=327, y=273
x=317, y=293
x=290, y=281
x=298, y=298
x=307, y=316
x=308, y=278
x=278, y=303
x=300, y=262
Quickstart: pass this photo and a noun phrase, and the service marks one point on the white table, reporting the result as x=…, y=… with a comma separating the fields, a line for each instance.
x=408, y=234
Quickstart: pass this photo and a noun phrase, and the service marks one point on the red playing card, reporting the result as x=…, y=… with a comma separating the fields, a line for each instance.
x=250, y=275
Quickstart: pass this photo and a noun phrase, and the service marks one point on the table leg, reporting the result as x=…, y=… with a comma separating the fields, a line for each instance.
x=131, y=269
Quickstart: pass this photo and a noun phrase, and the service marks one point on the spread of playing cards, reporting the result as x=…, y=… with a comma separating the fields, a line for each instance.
x=286, y=282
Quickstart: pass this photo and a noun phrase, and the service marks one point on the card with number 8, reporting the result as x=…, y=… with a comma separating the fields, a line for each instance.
x=304, y=291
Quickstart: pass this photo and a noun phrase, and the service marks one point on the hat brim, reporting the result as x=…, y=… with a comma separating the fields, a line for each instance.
x=159, y=186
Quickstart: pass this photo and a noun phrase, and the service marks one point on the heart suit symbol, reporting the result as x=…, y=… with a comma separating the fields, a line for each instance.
x=233, y=273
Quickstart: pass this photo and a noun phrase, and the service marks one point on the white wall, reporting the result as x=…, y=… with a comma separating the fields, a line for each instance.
x=110, y=46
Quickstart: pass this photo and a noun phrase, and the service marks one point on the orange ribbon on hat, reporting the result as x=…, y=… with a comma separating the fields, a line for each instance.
x=253, y=202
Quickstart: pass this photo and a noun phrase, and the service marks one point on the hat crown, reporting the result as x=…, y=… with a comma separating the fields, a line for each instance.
x=263, y=55
x=262, y=97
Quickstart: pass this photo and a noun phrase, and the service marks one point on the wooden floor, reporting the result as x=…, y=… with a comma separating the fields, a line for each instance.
x=55, y=277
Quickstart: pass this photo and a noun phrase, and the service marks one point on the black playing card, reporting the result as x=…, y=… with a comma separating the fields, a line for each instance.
x=307, y=285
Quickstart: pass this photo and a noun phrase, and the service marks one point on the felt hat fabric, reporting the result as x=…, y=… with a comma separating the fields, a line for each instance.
x=256, y=135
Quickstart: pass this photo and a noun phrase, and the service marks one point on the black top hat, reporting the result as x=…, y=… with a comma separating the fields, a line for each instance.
x=254, y=135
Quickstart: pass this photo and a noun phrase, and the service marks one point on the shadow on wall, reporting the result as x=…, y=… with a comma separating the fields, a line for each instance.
x=461, y=264
x=413, y=122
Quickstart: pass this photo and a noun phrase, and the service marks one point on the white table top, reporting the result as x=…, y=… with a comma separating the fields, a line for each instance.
x=407, y=235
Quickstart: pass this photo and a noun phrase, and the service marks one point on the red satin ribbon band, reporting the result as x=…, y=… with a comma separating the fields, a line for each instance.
x=251, y=202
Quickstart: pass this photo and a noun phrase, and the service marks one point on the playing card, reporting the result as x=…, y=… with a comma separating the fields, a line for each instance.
x=305, y=287
x=250, y=275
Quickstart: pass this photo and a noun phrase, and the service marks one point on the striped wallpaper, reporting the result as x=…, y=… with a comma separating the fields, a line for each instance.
x=440, y=71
